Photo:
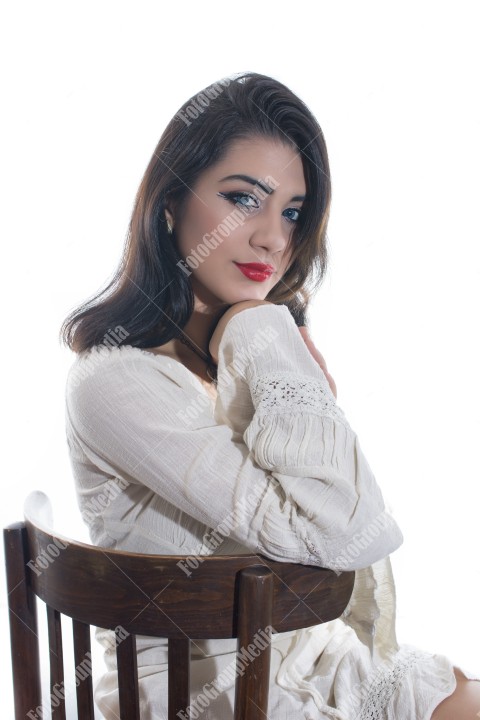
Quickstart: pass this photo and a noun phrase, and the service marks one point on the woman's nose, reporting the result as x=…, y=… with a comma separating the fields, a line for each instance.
x=270, y=233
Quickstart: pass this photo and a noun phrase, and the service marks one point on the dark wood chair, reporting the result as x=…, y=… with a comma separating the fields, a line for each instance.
x=224, y=597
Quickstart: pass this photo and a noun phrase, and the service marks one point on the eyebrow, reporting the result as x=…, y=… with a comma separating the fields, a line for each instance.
x=264, y=187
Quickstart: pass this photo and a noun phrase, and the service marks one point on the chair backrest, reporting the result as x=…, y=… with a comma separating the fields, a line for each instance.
x=174, y=597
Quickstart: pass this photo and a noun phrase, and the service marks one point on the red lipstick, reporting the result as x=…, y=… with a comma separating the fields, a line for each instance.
x=256, y=271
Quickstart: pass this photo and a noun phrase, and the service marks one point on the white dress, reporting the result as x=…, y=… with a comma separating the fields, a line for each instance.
x=272, y=466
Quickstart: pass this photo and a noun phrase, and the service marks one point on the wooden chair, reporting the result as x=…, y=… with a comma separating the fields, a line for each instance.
x=224, y=597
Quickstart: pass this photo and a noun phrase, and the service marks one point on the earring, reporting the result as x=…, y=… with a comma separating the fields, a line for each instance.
x=169, y=228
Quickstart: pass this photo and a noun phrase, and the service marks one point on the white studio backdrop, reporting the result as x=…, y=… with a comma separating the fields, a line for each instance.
x=88, y=91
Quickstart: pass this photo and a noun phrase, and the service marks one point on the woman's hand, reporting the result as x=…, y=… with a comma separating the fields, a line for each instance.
x=303, y=330
x=232, y=310
x=318, y=357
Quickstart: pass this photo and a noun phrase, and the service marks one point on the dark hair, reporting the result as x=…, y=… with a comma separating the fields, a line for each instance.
x=150, y=296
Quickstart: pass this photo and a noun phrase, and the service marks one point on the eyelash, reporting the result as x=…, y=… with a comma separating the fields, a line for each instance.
x=232, y=195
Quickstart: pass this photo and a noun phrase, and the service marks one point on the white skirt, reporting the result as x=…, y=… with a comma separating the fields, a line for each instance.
x=351, y=668
x=316, y=673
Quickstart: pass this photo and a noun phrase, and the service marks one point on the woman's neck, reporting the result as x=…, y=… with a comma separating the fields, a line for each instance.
x=197, y=332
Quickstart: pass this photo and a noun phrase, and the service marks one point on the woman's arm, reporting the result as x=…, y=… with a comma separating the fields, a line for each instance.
x=276, y=396
x=304, y=332
x=277, y=469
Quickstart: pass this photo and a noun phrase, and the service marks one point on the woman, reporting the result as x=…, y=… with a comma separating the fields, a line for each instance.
x=197, y=396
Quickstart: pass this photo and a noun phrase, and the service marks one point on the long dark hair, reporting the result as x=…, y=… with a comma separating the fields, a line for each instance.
x=150, y=296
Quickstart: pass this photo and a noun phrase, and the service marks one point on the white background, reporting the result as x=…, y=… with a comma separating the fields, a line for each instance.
x=87, y=90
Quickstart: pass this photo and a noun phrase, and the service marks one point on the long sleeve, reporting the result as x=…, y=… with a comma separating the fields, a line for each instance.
x=275, y=468
x=301, y=436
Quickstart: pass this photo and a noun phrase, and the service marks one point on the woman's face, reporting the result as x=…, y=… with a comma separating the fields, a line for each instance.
x=230, y=221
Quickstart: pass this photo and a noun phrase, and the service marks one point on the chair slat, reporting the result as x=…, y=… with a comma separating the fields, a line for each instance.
x=22, y=607
x=178, y=677
x=83, y=670
x=238, y=596
x=128, y=678
x=255, y=600
x=57, y=683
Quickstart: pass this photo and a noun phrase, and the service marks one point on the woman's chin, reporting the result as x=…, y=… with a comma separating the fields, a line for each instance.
x=246, y=295
x=230, y=295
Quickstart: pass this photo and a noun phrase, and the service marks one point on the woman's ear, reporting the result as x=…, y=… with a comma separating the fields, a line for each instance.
x=169, y=216
x=172, y=210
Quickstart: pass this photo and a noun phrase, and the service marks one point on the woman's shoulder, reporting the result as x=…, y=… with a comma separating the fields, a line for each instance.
x=132, y=393
x=100, y=355
x=103, y=364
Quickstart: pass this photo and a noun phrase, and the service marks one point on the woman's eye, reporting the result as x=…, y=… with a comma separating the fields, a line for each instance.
x=251, y=203
x=296, y=217
x=242, y=198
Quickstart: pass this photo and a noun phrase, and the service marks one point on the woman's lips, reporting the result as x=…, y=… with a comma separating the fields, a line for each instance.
x=255, y=271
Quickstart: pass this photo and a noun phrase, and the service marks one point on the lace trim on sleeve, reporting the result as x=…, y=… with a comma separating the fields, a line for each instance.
x=290, y=392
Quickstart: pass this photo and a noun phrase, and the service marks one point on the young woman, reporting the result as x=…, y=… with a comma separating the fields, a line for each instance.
x=199, y=408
